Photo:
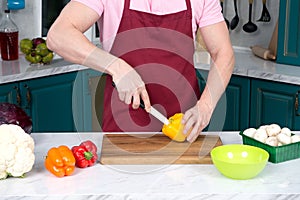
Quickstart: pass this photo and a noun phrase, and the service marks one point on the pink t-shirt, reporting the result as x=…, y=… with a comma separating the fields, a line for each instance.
x=205, y=12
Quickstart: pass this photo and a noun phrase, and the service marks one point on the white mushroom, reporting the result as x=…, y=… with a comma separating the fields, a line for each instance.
x=279, y=144
x=283, y=138
x=263, y=126
x=273, y=130
x=261, y=135
x=286, y=131
x=272, y=141
x=295, y=138
x=249, y=132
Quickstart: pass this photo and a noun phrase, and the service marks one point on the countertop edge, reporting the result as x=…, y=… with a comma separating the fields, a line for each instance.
x=246, y=65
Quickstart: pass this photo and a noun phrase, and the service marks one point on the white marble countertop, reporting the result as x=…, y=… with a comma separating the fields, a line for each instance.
x=115, y=182
x=246, y=65
x=18, y=70
x=249, y=65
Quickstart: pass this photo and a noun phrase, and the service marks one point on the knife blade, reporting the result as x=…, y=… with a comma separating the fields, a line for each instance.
x=159, y=116
x=155, y=113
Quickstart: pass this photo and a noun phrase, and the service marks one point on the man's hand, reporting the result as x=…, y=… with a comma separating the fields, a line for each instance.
x=196, y=119
x=129, y=84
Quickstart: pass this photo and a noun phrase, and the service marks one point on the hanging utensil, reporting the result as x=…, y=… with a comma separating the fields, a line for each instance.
x=226, y=21
x=250, y=27
x=235, y=20
x=265, y=15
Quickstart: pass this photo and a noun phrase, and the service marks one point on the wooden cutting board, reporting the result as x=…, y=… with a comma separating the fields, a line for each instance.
x=156, y=149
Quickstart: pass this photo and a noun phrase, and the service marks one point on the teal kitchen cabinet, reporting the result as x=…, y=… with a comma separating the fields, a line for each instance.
x=247, y=102
x=232, y=111
x=8, y=92
x=90, y=100
x=274, y=102
x=288, y=50
x=47, y=100
x=238, y=104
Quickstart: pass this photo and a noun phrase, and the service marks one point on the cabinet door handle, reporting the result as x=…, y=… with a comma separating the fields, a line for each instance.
x=89, y=87
x=28, y=97
x=297, y=103
x=18, y=95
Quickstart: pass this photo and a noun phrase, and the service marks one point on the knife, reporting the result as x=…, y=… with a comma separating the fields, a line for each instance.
x=155, y=113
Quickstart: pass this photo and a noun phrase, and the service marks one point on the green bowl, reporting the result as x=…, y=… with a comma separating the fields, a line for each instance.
x=239, y=161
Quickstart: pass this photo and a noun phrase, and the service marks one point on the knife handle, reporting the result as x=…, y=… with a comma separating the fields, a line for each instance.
x=142, y=105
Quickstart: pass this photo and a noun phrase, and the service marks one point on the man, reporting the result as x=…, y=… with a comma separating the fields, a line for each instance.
x=148, y=48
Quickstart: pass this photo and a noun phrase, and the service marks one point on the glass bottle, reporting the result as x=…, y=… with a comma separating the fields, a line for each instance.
x=9, y=38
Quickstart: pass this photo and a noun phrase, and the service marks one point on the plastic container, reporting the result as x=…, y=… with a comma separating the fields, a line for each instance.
x=9, y=38
x=277, y=154
x=238, y=161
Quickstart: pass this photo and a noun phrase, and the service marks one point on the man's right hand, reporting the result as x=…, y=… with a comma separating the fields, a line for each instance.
x=129, y=84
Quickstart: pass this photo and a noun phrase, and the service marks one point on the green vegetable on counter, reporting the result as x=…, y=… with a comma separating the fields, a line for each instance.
x=36, y=51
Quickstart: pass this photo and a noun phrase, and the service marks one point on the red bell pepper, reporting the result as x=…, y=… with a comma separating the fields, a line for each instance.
x=85, y=154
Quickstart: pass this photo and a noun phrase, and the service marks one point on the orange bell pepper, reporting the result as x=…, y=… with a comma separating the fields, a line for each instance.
x=60, y=161
x=174, y=130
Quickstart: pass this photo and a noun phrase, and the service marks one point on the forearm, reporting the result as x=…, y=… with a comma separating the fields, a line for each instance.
x=76, y=48
x=217, y=40
x=218, y=77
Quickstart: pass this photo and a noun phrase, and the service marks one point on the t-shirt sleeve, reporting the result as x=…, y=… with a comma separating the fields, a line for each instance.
x=96, y=5
x=210, y=12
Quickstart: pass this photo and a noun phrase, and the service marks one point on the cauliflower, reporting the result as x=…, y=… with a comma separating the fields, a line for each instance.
x=16, y=151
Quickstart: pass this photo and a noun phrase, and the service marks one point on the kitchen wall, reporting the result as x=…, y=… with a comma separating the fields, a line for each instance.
x=28, y=21
x=265, y=29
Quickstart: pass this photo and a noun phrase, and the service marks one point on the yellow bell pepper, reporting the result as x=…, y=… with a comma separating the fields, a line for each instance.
x=174, y=130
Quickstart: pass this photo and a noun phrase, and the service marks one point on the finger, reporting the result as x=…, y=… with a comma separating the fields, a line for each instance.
x=193, y=135
x=188, y=125
x=193, y=138
x=193, y=131
x=187, y=115
x=128, y=98
x=136, y=101
x=146, y=99
x=121, y=96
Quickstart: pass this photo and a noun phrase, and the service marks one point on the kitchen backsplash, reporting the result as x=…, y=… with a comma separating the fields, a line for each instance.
x=28, y=21
x=264, y=29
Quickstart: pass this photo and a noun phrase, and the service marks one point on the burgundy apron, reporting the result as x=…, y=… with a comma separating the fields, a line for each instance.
x=160, y=48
